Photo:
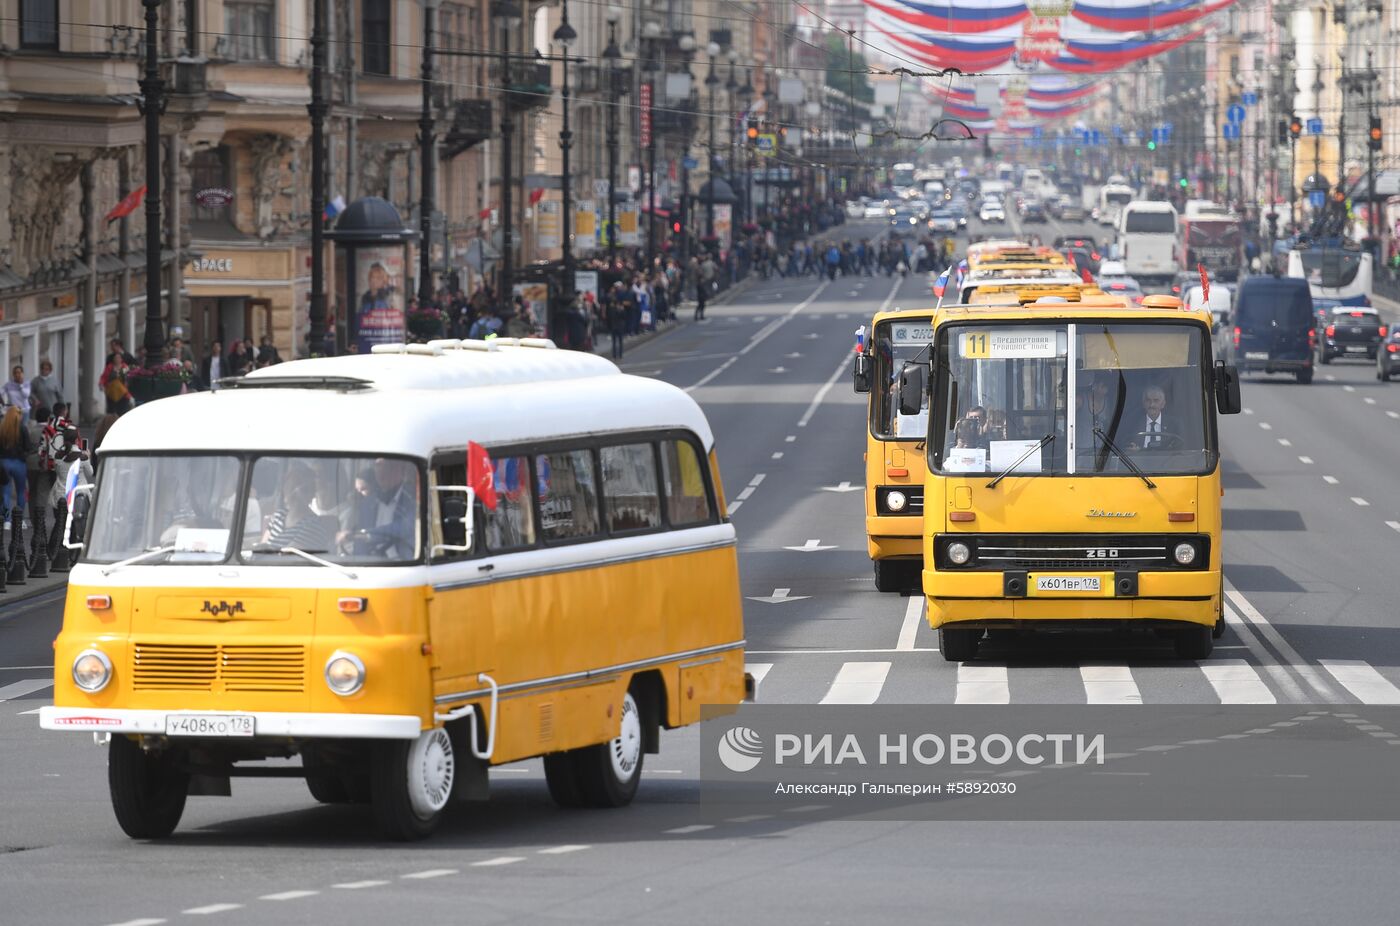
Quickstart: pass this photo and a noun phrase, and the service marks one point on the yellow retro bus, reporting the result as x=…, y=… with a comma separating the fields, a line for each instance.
x=404, y=568
x=1073, y=470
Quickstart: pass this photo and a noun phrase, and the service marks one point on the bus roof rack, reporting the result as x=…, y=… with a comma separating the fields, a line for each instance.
x=333, y=383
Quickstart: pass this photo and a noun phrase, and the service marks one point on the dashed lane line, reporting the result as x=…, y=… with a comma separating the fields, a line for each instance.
x=1307, y=460
x=1284, y=442
x=498, y=861
x=1330, y=480
x=1265, y=426
x=1293, y=692
x=563, y=850
x=1391, y=414
x=909, y=630
x=212, y=909
x=1393, y=525
x=1310, y=676
x=840, y=369
x=148, y=921
x=289, y=895
x=693, y=828
x=27, y=686
x=1360, y=502
x=429, y=873
x=1369, y=401
x=358, y=885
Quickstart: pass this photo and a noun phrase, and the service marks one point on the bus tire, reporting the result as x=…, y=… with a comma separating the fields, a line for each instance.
x=148, y=790
x=328, y=788
x=958, y=645
x=562, y=778
x=1195, y=642
x=890, y=576
x=1304, y=376
x=609, y=773
x=411, y=784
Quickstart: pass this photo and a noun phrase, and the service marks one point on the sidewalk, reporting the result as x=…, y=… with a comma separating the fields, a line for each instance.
x=603, y=345
x=31, y=587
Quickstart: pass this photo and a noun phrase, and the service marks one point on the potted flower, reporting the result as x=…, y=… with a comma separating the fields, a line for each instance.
x=426, y=323
x=158, y=382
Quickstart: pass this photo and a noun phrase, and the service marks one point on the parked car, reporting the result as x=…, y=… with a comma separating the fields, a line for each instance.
x=1351, y=331
x=1273, y=327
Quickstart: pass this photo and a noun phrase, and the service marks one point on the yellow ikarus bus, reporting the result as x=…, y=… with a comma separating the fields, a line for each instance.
x=402, y=568
x=1073, y=471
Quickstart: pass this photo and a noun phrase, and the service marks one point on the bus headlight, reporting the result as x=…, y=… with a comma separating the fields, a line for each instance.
x=959, y=553
x=92, y=670
x=345, y=673
x=1185, y=553
x=896, y=500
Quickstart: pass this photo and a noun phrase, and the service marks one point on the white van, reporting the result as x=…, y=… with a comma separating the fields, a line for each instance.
x=1147, y=239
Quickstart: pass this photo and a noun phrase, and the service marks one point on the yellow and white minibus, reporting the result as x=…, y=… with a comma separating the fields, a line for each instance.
x=403, y=568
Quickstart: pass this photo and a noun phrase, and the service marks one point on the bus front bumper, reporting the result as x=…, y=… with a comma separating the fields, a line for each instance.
x=988, y=598
x=895, y=537
x=265, y=723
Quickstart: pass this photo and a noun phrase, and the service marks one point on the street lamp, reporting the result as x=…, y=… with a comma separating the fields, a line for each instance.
x=1317, y=87
x=769, y=97
x=565, y=37
x=317, y=109
x=746, y=94
x=651, y=32
x=711, y=82
x=427, y=156
x=506, y=15
x=686, y=44
x=152, y=105
x=611, y=54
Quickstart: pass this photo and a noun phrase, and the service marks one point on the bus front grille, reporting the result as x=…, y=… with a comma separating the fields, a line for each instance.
x=181, y=667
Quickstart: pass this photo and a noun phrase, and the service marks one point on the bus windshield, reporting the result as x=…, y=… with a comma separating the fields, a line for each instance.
x=898, y=343
x=189, y=508
x=1006, y=390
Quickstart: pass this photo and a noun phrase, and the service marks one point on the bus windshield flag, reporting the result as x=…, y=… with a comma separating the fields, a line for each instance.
x=860, y=339
x=942, y=283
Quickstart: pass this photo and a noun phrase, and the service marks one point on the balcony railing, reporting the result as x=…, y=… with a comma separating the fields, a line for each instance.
x=471, y=125
x=529, y=85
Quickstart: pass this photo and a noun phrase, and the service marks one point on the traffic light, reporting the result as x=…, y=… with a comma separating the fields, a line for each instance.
x=1152, y=145
x=677, y=227
x=1376, y=138
x=1183, y=183
x=752, y=131
x=1283, y=131
x=1295, y=127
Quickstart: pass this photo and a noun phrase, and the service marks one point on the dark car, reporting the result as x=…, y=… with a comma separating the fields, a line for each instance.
x=1388, y=357
x=1273, y=330
x=1033, y=210
x=1083, y=259
x=1350, y=331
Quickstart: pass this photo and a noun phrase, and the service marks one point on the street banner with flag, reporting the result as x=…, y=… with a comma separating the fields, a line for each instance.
x=129, y=204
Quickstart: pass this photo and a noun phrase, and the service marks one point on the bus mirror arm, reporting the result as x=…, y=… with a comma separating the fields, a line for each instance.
x=1227, y=388
x=468, y=525
x=83, y=491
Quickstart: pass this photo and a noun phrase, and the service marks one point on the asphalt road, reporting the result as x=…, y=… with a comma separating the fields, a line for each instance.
x=1311, y=546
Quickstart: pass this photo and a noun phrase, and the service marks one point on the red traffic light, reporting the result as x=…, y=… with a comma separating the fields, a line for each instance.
x=1295, y=126
x=676, y=227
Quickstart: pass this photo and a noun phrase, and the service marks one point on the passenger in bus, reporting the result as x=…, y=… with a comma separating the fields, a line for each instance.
x=995, y=427
x=294, y=523
x=383, y=519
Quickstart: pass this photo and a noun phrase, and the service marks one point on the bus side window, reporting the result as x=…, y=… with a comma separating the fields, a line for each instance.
x=446, y=509
x=568, y=494
x=687, y=502
x=629, y=488
x=511, y=526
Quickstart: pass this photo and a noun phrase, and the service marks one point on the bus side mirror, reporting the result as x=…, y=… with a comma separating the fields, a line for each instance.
x=76, y=523
x=911, y=389
x=861, y=373
x=448, y=515
x=1227, y=388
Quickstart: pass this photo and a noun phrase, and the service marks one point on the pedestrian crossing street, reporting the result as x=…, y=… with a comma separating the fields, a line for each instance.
x=921, y=677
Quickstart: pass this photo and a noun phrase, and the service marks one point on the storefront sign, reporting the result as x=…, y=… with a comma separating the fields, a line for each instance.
x=585, y=226
x=212, y=265
x=627, y=233
x=547, y=225
x=214, y=197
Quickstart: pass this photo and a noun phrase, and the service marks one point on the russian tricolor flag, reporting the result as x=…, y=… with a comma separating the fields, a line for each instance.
x=1135, y=16
x=961, y=18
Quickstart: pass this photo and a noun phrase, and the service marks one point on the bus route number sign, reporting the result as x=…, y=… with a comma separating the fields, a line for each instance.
x=1007, y=344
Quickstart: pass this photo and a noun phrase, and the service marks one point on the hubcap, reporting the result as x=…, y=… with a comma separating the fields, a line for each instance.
x=431, y=765
x=626, y=750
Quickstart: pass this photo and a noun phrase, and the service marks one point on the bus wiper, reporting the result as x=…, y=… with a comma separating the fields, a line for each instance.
x=138, y=558
x=1098, y=432
x=304, y=554
x=1039, y=445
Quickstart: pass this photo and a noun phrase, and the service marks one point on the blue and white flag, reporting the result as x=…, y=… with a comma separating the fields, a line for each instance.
x=335, y=207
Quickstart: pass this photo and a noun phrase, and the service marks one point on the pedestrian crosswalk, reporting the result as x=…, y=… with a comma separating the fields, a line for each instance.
x=24, y=688
x=916, y=677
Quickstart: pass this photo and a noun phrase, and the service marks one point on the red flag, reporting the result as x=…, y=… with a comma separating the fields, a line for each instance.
x=1205, y=283
x=484, y=214
x=1085, y=275
x=536, y=195
x=128, y=205
x=480, y=474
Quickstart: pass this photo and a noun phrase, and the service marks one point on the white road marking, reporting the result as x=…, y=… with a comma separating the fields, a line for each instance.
x=1348, y=388
x=713, y=373
x=843, y=487
x=212, y=908
x=732, y=507
x=1266, y=426
x=17, y=690
x=1362, y=680
x=28, y=713
x=1330, y=480
x=857, y=683
x=779, y=596
x=1393, y=414
x=744, y=494
x=289, y=895
x=982, y=685
x=777, y=455
x=840, y=369
x=563, y=850
x=359, y=885
x=759, y=670
x=1393, y=525
x=1290, y=655
x=1330, y=378
x=813, y=545
x=429, y=873
x=758, y=480
x=790, y=438
x=1109, y=684
x=1284, y=442
x=145, y=922
x=1236, y=682
x=1307, y=460
x=693, y=828
x=913, y=616
x=1369, y=401
x=498, y=861
x=1247, y=411
x=836, y=652
x=1360, y=501
x=750, y=818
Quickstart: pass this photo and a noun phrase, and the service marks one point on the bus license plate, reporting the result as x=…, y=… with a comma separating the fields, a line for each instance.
x=1067, y=584
x=208, y=725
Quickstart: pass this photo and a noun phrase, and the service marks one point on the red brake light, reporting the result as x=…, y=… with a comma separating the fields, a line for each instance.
x=1094, y=255
x=1358, y=314
x=1383, y=330
x=1312, y=338
x=1237, y=336
x=1392, y=347
x=1331, y=330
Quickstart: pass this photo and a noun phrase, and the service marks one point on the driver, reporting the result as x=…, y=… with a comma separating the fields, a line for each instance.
x=1155, y=430
x=383, y=517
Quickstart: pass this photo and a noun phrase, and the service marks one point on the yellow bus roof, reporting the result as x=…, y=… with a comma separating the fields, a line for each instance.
x=1092, y=303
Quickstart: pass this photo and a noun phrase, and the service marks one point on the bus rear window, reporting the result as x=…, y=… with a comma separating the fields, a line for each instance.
x=1150, y=223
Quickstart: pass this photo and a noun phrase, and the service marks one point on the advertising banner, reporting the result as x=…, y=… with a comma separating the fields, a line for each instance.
x=379, y=307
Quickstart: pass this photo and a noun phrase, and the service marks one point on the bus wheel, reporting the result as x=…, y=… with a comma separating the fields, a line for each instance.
x=1194, y=642
x=958, y=645
x=323, y=780
x=148, y=790
x=411, y=783
x=1304, y=376
x=562, y=778
x=608, y=773
x=890, y=575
